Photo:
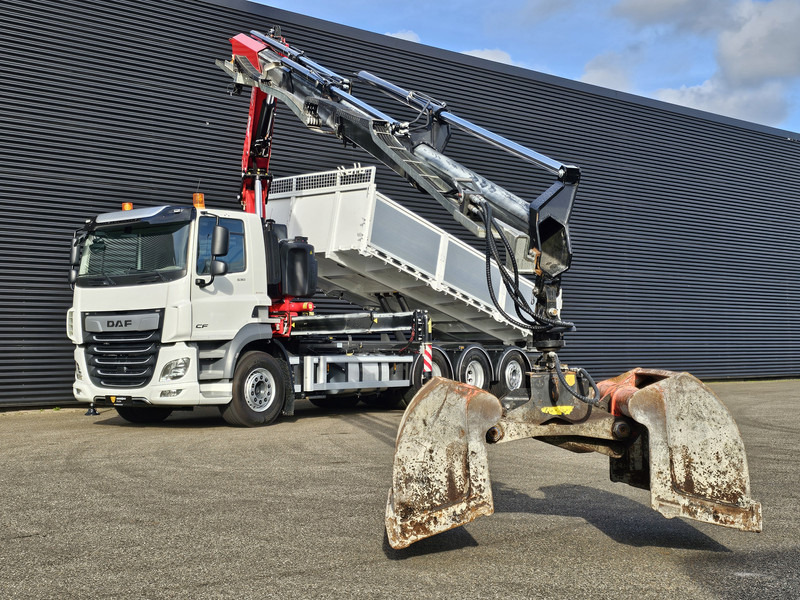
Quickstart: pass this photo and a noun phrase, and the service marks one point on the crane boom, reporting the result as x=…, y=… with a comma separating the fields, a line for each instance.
x=323, y=101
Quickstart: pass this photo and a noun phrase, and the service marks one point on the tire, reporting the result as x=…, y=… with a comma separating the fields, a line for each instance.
x=143, y=414
x=261, y=385
x=510, y=372
x=441, y=368
x=473, y=368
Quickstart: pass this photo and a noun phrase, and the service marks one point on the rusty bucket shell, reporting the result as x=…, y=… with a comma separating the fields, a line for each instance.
x=441, y=473
x=697, y=461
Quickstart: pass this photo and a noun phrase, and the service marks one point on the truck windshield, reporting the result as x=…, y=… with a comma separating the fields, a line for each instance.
x=134, y=253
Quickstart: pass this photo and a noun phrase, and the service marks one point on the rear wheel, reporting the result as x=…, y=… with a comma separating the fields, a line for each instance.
x=511, y=369
x=260, y=388
x=143, y=414
x=474, y=368
x=440, y=368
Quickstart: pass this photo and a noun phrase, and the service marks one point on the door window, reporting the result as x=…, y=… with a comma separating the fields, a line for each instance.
x=235, y=256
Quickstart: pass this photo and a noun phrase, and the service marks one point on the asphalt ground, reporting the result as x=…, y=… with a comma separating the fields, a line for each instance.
x=94, y=507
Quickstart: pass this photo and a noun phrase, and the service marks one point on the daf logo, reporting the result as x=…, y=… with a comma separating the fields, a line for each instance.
x=128, y=322
x=119, y=323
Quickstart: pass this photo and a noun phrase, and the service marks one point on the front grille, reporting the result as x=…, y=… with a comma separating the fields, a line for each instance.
x=122, y=359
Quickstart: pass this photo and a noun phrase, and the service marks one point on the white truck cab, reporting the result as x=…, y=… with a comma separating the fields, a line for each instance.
x=144, y=302
x=176, y=307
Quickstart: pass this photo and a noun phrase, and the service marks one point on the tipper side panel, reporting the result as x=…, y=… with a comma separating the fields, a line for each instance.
x=367, y=244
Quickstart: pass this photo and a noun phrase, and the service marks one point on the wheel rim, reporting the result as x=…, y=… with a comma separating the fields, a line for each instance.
x=474, y=373
x=513, y=375
x=436, y=370
x=259, y=390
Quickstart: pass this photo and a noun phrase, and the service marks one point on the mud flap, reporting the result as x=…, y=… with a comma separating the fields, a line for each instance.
x=697, y=463
x=441, y=472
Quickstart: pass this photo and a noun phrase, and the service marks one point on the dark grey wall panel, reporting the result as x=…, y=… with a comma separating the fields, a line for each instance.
x=685, y=232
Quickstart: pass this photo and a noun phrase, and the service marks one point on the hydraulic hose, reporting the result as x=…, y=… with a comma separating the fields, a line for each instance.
x=523, y=322
x=581, y=372
x=534, y=322
x=530, y=319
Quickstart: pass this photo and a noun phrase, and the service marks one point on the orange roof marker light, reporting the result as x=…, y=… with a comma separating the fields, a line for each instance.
x=198, y=200
x=127, y=206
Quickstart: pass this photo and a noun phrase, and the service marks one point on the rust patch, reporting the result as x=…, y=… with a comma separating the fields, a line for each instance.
x=698, y=467
x=619, y=390
x=441, y=474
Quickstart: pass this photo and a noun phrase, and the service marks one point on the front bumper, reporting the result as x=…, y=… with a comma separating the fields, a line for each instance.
x=180, y=392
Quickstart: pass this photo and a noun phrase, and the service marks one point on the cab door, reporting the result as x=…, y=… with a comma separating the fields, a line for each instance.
x=222, y=308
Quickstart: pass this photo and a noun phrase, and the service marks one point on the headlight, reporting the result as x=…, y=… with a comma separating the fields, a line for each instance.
x=78, y=374
x=175, y=369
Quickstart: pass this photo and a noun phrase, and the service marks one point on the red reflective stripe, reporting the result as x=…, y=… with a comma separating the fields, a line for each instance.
x=427, y=358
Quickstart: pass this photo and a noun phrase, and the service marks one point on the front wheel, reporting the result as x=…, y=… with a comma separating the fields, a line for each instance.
x=260, y=389
x=143, y=414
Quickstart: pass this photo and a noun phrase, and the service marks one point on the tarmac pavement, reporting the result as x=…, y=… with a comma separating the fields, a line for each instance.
x=95, y=507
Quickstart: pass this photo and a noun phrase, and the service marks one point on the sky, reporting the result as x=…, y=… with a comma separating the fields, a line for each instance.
x=739, y=58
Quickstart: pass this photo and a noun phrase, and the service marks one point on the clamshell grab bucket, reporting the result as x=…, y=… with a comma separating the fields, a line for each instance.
x=663, y=431
x=691, y=456
x=441, y=474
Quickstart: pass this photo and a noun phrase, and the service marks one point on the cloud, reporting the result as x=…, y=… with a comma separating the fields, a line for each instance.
x=610, y=70
x=500, y=56
x=757, y=49
x=765, y=103
x=536, y=11
x=687, y=15
x=765, y=45
x=405, y=34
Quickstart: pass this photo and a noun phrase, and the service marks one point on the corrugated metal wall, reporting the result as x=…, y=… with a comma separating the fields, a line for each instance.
x=685, y=232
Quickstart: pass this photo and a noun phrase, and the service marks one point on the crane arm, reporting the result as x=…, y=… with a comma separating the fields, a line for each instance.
x=534, y=233
x=323, y=101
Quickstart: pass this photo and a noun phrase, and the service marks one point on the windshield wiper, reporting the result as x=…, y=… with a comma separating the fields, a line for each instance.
x=98, y=279
x=146, y=275
x=154, y=276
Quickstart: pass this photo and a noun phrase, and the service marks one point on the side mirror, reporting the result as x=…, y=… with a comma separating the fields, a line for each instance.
x=218, y=267
x=219, y=241
x=74, y=258
x=219, y=247
x=75, y=254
